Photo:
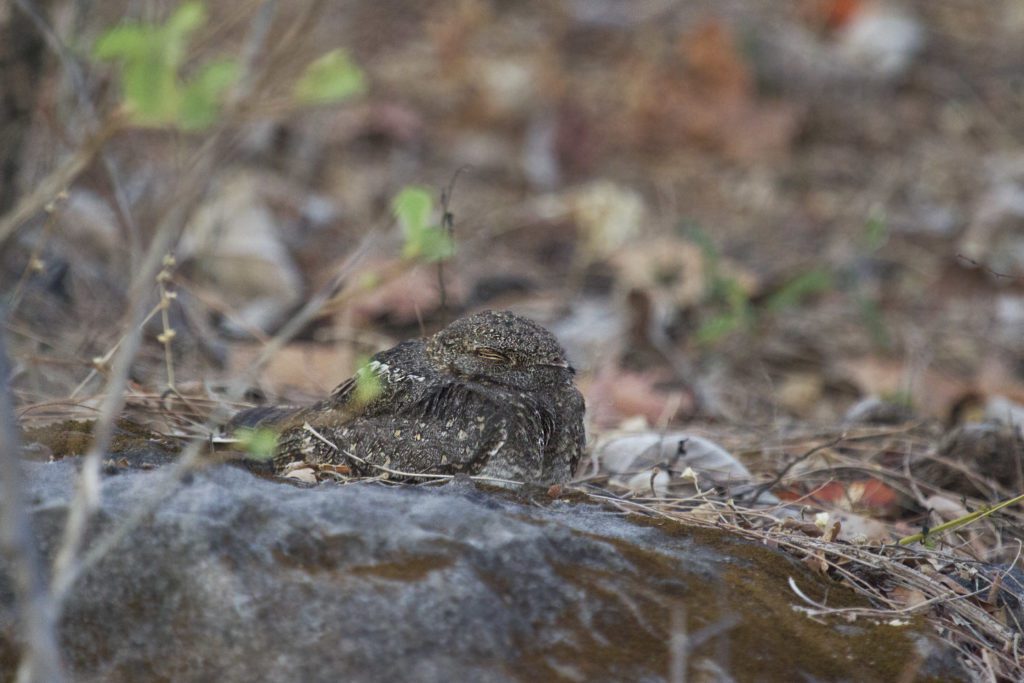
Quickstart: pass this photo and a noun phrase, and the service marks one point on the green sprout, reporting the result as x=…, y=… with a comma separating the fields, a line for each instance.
x=260, y=443
x=331, y=78
x=424, y=240
x=368, y=384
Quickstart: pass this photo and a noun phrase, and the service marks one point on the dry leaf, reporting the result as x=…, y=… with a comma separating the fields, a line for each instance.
x=303, y=474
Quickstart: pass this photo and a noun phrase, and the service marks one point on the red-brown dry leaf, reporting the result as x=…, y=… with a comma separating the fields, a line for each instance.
x=336, y=469
x=707, y=96
x=714, y=64
x=864, y=494
x=830, y=14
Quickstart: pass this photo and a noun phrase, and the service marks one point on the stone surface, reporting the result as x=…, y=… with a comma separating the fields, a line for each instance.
x=236, y=578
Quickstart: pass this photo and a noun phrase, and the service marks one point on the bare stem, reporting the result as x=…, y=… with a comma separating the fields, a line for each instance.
x=42, y=656
x=167, y=335
x=71, y=65
x=58, y=180
x=87, y=496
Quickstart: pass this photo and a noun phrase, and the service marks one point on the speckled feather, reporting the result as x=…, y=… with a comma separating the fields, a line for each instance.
x=491, y=394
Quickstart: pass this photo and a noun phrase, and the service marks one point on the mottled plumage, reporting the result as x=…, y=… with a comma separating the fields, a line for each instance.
x=492, y=394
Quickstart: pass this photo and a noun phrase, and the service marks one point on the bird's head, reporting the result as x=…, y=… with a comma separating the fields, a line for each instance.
x=502, y=348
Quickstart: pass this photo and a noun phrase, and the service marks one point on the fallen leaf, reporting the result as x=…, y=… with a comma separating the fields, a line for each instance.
x=303, y=474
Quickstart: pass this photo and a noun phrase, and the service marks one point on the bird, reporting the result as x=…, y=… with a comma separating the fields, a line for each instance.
x=490, y=395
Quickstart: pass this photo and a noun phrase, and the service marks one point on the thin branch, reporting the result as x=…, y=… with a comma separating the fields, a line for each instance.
x=785, y=470
x=987, y=269
x=87, y=495
x=57, y=181
x=78, y=83
x=190, y=456
x=448, y=226
x=954, y=524
x=42, y=658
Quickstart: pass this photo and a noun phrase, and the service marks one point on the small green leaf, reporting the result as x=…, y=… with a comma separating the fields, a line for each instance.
x=413, y=207
x=873, y=318
x=260, y=444
x=203, y=96
x=151, y=90
x=368, y=281
x=708, y=250
x=900, y=398
x=330, y=78
x=128, y=41
x=368, y=385
x=798, y=289
x=735, y=296
x=876, y=230
x=717, y=328
x=151, y=56
x=188, y=17
x=431, y=244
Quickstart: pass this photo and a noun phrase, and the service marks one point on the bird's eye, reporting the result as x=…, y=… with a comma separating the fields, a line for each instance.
x=488, y=353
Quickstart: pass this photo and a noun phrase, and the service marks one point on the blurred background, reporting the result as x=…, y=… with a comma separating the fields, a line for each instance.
x=752, y=211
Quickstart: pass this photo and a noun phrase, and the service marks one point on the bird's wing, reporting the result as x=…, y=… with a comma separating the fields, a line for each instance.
x=452, y=428
x=393, y=368
x=567, y=439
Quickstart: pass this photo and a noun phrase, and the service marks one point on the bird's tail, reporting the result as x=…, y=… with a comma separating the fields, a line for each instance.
x=263, y=416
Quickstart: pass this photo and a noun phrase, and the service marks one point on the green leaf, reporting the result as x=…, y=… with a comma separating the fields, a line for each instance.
x=799, y=288
x=260, y=444
x=431, y=244
x=188, y=17
x=873, y=318
x=330, y=78
x=151, y=56
x=708, y=250
x=150, y=90
x=413, y=207
x=876, y=230
x=368, y=385
x=128, y=41
x=203, y=96
x=718, y=327
x=735, y=296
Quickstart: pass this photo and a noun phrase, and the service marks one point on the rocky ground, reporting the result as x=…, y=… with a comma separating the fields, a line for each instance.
x=238, y=579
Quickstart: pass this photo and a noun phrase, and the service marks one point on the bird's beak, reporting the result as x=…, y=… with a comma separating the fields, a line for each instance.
x=562, y=364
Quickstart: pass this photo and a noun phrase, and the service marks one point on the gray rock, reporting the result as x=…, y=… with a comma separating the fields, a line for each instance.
x=236, y=578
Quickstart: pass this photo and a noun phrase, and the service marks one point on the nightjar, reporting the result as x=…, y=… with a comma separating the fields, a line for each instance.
x=491, y=394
